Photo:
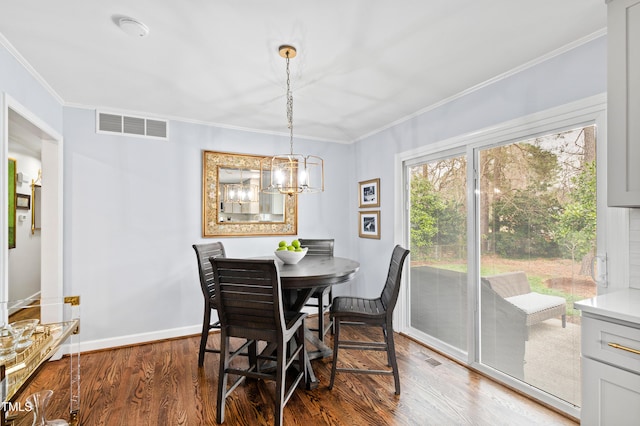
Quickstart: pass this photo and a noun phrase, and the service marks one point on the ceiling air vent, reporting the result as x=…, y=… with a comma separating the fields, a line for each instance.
x=134, y=126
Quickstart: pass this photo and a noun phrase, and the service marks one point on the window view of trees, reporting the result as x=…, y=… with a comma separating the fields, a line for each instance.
x=538, y=201
x=536, y=212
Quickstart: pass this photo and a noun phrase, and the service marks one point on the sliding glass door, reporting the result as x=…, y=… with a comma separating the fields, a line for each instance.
x=529, y=256
x=537, y=215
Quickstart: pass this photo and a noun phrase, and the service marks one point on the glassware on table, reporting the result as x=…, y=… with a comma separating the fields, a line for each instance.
x=7, y=343
x=23, y=331
x=38, y=402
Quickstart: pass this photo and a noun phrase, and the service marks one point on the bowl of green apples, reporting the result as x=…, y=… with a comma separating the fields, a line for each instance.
x=290, y=254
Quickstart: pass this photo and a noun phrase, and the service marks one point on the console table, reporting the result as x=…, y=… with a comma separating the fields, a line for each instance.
x=60, y=324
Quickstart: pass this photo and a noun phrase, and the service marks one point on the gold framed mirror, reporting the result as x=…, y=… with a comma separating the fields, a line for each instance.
x=232, y=204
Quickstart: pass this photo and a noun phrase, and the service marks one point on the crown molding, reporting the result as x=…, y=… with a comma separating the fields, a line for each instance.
x=513, y=71
x=30, y=69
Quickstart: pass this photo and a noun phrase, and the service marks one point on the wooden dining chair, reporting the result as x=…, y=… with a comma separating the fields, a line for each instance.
x=249, y=298
x=203, y=253
x=320, y=247
x=378, y=312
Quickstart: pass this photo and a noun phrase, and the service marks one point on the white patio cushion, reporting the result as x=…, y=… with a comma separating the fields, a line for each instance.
x=536, y=302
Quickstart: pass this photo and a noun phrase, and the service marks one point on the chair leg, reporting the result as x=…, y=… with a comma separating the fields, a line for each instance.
x=222, y=378
x=321, y=318
x=391, y=356
x=333, y=329
x=302, y=355
x=280, y=382
x=336, y=338
x=253, y=355
x=205, y=334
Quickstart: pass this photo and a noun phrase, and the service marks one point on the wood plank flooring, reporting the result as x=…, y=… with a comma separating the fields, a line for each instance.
x=160, y=384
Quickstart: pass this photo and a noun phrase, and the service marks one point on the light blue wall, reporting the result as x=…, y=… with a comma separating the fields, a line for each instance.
x=576, y=74
x=133, y=210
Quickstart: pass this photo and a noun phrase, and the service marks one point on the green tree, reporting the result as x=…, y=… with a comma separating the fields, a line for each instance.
x=520, y=201
x=523, y=222
x=576, y=227
x=426, y=206
x=435, y=219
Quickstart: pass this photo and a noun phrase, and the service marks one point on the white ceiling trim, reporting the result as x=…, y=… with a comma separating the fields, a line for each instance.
x=491, y=81
x=111, y=110
x=424, y=110
x=30, y=69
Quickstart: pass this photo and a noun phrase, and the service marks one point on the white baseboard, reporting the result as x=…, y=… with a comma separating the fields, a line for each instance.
x=134, y=339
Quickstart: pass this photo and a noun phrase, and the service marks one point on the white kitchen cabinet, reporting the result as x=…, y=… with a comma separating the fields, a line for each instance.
x=623, y=103
x=611, y=396
x=611, y=359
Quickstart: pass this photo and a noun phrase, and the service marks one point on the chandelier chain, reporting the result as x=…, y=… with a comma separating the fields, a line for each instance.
x=289, y=106
x=291, y=173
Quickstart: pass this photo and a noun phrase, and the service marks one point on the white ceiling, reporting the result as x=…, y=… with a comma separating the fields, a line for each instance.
x=362, y=65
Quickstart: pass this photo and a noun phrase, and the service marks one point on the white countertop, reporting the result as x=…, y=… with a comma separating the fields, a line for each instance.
x=623, y=305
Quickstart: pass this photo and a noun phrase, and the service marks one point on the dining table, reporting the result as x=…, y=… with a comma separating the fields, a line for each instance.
x=299, y=281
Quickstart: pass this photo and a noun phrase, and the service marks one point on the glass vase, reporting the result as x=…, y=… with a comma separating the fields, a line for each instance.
x=38, y=402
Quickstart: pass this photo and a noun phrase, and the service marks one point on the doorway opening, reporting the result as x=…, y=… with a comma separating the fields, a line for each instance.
x=26, y=136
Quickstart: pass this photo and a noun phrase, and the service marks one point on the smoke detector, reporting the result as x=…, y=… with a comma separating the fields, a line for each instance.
x=133, y=27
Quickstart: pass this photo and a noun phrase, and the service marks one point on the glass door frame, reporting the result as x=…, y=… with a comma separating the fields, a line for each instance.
x=613, y=223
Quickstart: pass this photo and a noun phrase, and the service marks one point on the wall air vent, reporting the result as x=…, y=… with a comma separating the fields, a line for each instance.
x=129, y=125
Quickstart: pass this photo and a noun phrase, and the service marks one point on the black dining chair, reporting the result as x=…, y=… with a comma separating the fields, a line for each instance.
x=249, y=299
x=376, y=312
x=320, y=247
x=203, y=253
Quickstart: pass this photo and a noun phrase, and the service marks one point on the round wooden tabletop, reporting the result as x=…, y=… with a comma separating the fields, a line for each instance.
x=317, y=271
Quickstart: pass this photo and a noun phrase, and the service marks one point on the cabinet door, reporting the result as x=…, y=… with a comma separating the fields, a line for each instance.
x=623, y=105
x=610, y=395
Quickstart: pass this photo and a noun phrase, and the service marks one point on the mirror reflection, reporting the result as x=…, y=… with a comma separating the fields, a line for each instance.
x=241, y=199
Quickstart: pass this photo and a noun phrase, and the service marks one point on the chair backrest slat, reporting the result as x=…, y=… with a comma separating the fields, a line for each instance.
x=203, y=253
x=318, y=247
x=248, y=294
x=391, y=289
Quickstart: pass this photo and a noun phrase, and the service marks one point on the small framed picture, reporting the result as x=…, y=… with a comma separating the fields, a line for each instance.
x=369, y=224
x=23, y=201
x=370, y=193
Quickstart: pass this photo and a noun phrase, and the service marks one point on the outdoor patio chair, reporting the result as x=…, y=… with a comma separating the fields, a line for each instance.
x=514, y=287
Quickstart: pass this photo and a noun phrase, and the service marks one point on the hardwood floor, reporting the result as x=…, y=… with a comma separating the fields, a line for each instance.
x=160, y=384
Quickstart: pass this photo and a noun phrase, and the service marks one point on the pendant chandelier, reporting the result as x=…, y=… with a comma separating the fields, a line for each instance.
x=291, y=173
x=241, y=192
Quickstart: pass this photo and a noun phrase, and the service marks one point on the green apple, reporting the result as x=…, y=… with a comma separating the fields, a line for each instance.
x=291, y=248
x=281, y=248
x=282, y=244
x=295, y=243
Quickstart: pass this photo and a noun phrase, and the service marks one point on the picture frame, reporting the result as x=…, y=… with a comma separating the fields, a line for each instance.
x=369, y=193
x=36, y=208
x=369, y=224
x=23, y=201
x=12, y=181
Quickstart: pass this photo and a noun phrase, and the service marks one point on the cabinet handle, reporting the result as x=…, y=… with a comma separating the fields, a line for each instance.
x=624, y=348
